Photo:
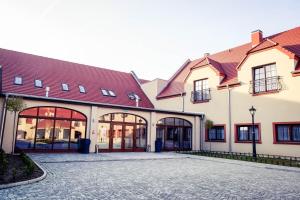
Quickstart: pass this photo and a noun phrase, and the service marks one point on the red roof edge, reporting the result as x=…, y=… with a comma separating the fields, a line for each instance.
x=174, y=76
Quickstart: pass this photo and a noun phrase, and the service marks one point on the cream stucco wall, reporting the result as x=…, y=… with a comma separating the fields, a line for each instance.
x=283, y=106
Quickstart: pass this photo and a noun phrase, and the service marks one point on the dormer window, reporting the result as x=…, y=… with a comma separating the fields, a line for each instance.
x=81, y=89
x=18, y=80
x=38, y=83
x=108, y=93
x=265, y=79
x=201, y=91
x=65, y=87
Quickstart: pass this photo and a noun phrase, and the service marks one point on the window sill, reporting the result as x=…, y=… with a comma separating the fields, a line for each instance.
x=248, y=142
x=287, y=143
x=203, y=101
x=222, y=141
x=265, y=93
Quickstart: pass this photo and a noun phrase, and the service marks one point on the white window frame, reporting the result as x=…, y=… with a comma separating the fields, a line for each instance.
x=81, y=89
x=65, y=87
x=18, y=80
x=36, y=81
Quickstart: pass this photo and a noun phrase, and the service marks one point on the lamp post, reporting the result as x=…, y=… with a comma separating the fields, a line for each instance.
x=252, y=111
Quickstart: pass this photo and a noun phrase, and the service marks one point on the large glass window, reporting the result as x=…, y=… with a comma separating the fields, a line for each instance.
x=201, y=91
x=287, y=133
x=265, y=78
x=50, y=128
x=122, y=132
x=175, y=133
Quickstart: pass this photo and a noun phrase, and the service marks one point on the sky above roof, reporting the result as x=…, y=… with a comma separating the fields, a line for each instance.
x=151, y=37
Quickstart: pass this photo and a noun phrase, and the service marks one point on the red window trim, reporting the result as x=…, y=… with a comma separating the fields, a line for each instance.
x=246, y=124
x=274, y=133
x=206, y=134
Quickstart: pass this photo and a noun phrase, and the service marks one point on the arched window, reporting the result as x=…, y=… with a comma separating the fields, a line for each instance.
x=50, y=128
x=122, y=132
x=175, y=133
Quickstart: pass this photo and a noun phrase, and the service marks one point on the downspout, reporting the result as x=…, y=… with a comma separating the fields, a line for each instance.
x=150, y=135
x=229, y=118
x=3, y=119
x=201, y=130
x=182, y=102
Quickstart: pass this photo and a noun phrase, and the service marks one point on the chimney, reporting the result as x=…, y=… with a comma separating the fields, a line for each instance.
x=256, y=37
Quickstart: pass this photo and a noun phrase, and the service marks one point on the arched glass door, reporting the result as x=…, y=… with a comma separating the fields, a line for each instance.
x=175, y=133
x=122, y=132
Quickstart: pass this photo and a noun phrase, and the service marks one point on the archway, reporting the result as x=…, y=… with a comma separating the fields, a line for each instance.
x=50, y=129
x=122, y=132
x=175, y=133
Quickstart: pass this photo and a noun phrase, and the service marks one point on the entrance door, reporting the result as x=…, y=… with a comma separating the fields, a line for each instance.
x=128, y=137
x=116, y=137
x=122, y=137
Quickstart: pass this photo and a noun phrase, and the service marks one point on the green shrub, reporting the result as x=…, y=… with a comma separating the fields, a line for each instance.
x=14, y=173
x=30, y=166
x=3, y=162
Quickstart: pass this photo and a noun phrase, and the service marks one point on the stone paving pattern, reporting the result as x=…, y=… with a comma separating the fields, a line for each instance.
x=156, y=176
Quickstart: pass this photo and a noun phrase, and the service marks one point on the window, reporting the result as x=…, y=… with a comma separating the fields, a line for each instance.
x=38, y=83
x=287, y=133
x=216, y=134
x=244, y=133
x=18, y=80
x=104, y=92
x=65, y=87
x=201, y=91
x=81, y=89
x=265, y=79
x=50, y=128
x=175, y=133
x=109, y=93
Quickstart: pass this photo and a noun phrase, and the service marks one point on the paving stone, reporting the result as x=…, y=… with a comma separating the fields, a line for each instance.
x=156, y=176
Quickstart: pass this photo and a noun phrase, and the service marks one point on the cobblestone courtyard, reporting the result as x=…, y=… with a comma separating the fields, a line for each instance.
x=156, y=176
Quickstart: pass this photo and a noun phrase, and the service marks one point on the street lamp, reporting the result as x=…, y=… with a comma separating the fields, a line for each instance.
x=252, y=111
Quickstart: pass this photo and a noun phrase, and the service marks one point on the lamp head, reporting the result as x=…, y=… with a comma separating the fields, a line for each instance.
x=252, y=110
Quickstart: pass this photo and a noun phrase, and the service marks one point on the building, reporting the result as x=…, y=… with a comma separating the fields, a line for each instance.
x=120, y=112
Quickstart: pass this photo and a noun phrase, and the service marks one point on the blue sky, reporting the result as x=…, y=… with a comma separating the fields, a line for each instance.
x=151, y=37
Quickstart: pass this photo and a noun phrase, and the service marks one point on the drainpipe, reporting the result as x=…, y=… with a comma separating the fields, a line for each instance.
x=182, y=95
x=149, y=147
x=3, y=117
x=229, y=118
x=201, y=130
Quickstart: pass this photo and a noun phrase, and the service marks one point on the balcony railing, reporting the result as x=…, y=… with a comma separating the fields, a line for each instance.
x=200, y=95
x=271, y=84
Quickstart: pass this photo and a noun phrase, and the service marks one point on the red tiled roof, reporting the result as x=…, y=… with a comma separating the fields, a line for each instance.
x=228, y=60
x=55, y=72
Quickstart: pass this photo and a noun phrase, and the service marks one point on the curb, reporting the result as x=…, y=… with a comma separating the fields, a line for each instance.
x=9, y=185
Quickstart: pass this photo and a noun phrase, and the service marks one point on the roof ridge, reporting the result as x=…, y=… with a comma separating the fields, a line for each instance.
x=60, y=60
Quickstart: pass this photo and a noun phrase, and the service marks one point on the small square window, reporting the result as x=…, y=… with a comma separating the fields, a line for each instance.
x=111, y=93
x=65, y=87
x=18, y=80
x=81, y=89
x=104, y=92
x=38, y=83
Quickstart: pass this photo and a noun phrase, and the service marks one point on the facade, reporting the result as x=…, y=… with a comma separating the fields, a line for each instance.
x=67, y=101
x=263, y=73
